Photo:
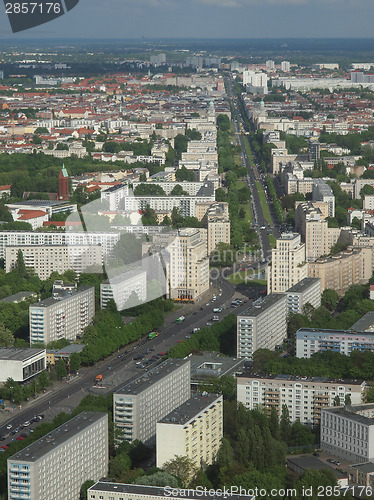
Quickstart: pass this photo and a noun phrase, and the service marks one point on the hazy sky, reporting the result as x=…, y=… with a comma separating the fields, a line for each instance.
x=208, y=19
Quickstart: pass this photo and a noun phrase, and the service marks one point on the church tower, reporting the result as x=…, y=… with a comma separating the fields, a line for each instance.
x=63, y=183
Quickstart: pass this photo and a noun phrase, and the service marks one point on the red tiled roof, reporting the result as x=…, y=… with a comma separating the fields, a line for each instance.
x=30, y=214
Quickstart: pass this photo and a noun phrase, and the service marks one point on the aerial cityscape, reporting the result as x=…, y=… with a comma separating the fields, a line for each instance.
x=186, y=250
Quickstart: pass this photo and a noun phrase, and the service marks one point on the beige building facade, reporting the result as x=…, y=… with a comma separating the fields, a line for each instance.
x=192, y=430
x=339, y=272
x=288, y=264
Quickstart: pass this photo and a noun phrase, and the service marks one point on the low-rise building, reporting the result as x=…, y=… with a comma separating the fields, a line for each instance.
x=262, y=326
x=362, y=475
x=307, y=291
x=312, y=340
x=194, y=430
x=304, y=396
x=146, y=399
x=21, y=364
x=120, y=491
x=348, y=432
x=55, y=466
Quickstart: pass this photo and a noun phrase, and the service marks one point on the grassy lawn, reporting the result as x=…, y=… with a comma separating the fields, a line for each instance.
x=264, y=205
x=244, y=277
x=272, y=241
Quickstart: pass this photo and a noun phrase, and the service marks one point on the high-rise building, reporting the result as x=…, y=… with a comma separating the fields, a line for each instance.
x=288, y=263
x=307, y=291
x=63, y=185
x=270, y=65
x=304, y=396
x=323, y=192
x=262, y=326
x=55, y=466
x=64, y=316
x=189, y=264
x=143, y=401
x=192, y=430
x=285, y=66
x=313, y=150
x=218, y=223
x=121, y=287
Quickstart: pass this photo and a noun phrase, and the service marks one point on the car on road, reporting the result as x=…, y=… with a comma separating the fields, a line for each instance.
x=9, y=427
x=26, y=424
x=209, y=323
x=4, y=447
x=20, y=438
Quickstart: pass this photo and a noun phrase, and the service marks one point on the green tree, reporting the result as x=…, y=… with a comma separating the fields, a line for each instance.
x=184, y=174
x=329, y=299
x=6, y=337
x=285, y=425
x=158, y=479
x=61, y=369
x=87, y=484
x=182, y=467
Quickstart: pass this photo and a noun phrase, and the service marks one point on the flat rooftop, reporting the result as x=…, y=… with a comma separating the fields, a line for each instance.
x=61, y=297
x=156, y=491
x=291, y=378
x=212, y=364
x=351, y=412
x=367, y=467
x=322, y=331
x=18, y=297
x=189, y=409
x=57, y=437
x=303, y=285
x=121, y=278
x=15, y=354
x=366, y=323
x=144, y=381
x=262, y=305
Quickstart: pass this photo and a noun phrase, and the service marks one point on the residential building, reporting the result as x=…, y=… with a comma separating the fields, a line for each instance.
x=323, y=192
x=106, y=241
x=47, y=259
x=21, y=364
x=348, y=432
x=119, y=288
x=218, y=223
x=362, y=475
x=368, y=202
x=192, y=430
x=304, y=396
x=65, y=315
x=189, y=264
x=313, y=150
x=114, y=195
x=255, y=82
x=210, y=365
x=120, y=491
x=364, y=324
x=288, y=264
x=311, y=340
x=311, y=221
x=285, y=66
x=262, y=326
x=63, y=185
x=307, y=291
x=340, y=271
x=143, y=401
x=55, y=466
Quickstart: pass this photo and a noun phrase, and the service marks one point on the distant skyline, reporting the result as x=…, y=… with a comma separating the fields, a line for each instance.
x=207, y=19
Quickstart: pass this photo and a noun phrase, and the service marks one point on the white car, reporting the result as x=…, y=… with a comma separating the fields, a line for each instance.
x=9, y=427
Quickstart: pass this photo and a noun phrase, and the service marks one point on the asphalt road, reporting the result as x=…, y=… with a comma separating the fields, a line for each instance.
x=121, y=367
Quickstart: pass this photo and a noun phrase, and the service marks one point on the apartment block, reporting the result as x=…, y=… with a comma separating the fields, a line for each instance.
x=146, y=399
x=114, y=195
x=218, y=223
x=348, y=432
x=323, y=192
x=21, y=364
x=307, y=291
x=262, y=326
x=192, y=430
x=311, y=222
x=304, y=397
x=55, y=258
x=311, y=340
x=189, y=264
x=63, y=316
x=120, y=491
x=106, y=241
x=55, y=466
x=288, y=264
x=119, y=288
x=340, y=271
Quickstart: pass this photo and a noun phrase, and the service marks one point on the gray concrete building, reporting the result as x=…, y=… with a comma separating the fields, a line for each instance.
x=146, y=399
x=55, y=466
x=306, y=291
